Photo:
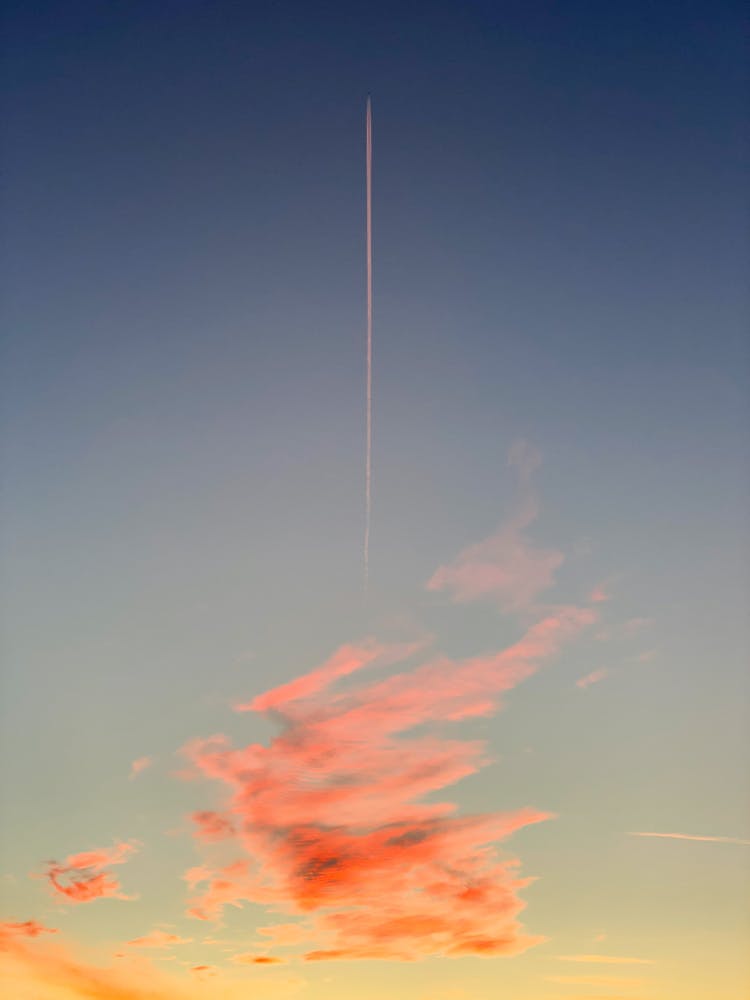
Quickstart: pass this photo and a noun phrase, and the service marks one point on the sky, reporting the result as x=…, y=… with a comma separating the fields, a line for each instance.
x=516, y=766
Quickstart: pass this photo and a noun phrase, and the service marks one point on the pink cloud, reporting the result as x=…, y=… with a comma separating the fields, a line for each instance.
x=158, y=939
x=212, y=826
x=593, y=678
x=331, y=818
x=139, y=765
x=346, y=660
x=26, y=928
x=199, y=873
x=84, y=878
x=506, y=567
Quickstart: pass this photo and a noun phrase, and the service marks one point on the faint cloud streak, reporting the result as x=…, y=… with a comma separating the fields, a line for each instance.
x=690, y=836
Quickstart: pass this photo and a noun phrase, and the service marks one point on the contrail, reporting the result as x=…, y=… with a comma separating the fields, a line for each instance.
x=691, y=836
x=368, y=448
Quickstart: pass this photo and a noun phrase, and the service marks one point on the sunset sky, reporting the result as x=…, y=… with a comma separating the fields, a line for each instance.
x=517, y=766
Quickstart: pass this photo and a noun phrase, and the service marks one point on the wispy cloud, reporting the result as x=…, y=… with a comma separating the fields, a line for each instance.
x=506, y=567
x=347, y=660
x=49, y=972
x=248, y=958
x=23, y=929
x=204, y=971
x=331, y=816
x=691, y=836
x=286, y=934
x=158, y=939
x=605, y=959
x=211, y=826
x=139, y=765
x=593, y=678
x=84, y=877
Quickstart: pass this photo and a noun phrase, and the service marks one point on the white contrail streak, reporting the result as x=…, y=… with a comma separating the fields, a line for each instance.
x=368, y=447
x=691, y=836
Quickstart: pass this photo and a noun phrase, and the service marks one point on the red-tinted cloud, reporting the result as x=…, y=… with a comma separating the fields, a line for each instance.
x=84, y=877
x=346, y=660
x=24, y=929
x=251, y=959
x=333, y=818
x=212, y=826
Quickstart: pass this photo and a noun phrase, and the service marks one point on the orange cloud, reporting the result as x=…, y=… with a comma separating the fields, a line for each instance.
x=139, y=765
x=52, y=973
x=26, y=928
x=331, y=818
x=506, y=567
x=204, y=971
x=250, y=959
x=212, y=826
x=593, y=678
x=34, y=968
x=158, y=939
x=85, y=876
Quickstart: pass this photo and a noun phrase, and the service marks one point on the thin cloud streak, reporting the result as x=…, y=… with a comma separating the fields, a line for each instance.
x=593, y=678
x=690, y=836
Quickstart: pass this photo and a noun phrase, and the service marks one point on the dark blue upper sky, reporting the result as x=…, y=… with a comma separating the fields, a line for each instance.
x=559, y=222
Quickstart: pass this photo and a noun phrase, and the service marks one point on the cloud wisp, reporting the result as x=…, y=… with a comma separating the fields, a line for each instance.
x=593, y=678
x=23, y=929
x=158, y=939
x=84, y=877
x=33, y=967
x=139, y=765
x=691, y=836
x=506, y=568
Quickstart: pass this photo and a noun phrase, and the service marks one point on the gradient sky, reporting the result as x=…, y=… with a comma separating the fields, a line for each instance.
x=554, y=644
